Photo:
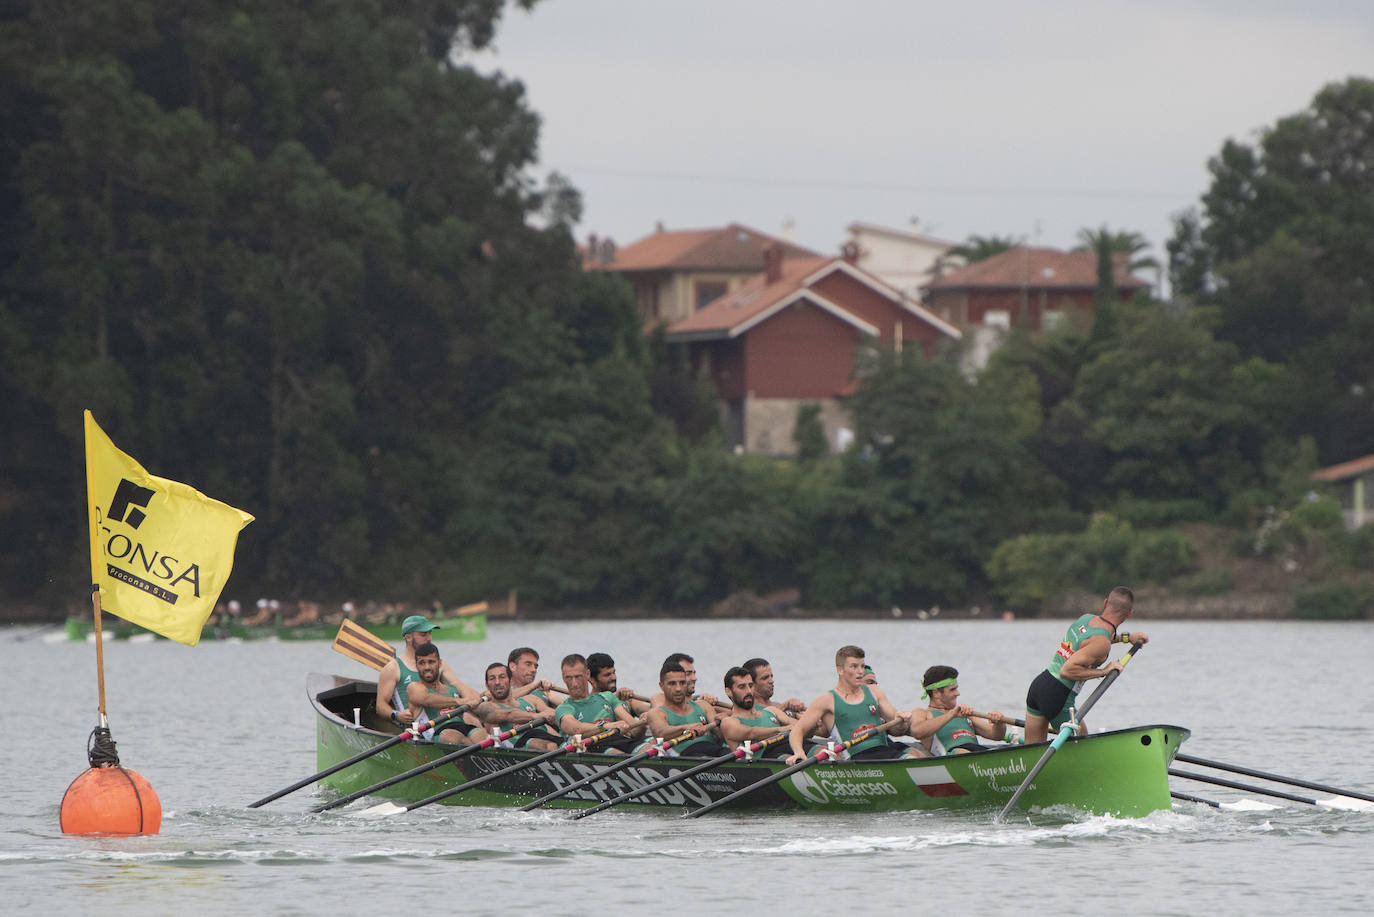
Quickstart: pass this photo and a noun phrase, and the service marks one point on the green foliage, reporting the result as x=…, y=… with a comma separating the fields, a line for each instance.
x=1332, y=602
x=1028, y=570
x=809, y=433
x=1284, y=246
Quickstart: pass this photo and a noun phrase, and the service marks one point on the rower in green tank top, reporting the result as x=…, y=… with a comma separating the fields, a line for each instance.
x=391, y=704
x=502, y=714
x=948, y=727
x=1079, y=658
x=749, y=721
x=849, y=709
x=679, y=713
x=530, y=691
x=586, y=714
x=428, y=697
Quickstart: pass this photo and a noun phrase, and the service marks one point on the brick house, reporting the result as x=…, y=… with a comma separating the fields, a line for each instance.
x=904, y=259
x=1354, y=484
x=1036, y=288
x=675, y=273
x=789, y=336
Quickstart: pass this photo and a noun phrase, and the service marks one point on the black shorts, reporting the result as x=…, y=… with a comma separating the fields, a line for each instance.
x=706, y=748
x=1049, y=697
x=622, y=742
x=524, y=738
x=888, y=751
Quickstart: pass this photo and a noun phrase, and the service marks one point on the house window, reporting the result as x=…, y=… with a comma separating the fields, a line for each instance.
x=709, y=291
x=1051, y=319
x=997, y=318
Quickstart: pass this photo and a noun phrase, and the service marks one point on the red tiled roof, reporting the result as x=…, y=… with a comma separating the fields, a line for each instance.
x=753, y=297
x=1035, y=268
x=731, y=248
x=756, y=296
x=1344, y=470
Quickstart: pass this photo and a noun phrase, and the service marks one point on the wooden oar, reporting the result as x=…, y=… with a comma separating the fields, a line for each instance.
x=1277, y=778
x=356, y=642
x=409, y=732
x=745, y=748
x=1064, y=734
x=488, y=742
x=656, y=749
x=578, y=744
x=1251, y=788
x=824, y=754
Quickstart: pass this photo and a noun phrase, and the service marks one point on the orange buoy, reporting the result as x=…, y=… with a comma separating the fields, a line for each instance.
x=110, y=800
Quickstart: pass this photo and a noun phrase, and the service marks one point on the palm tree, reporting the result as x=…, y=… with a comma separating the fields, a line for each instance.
x=974, y=248
x=1130, y=244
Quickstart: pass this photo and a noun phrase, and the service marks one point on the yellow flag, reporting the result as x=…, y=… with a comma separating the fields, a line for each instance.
x=160, y=551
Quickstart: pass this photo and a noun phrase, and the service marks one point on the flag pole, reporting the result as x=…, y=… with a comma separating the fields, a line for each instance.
x=99, y=656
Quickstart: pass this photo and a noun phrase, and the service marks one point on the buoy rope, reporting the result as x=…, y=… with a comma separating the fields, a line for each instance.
x=100, y=748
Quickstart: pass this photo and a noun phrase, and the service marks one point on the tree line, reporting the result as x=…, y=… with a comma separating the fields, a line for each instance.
x=296, y=256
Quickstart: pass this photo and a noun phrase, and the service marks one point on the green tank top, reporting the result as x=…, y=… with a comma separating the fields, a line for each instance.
x=448, y=690
x=851, y=719
x=957, y=733
x=687, y=719
x=1079, y=631
x=765, y=719
x=407, y=676
x=594, y=708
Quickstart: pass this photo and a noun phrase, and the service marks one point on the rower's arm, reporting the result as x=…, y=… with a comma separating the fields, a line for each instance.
x=570, y=725
x=386, y=687
x=734, y=732
x=417, y=695
x=812, y=718
x=925, y=724
x=997, y=731
x=1083, y=664
x=889, y=712
x=657, y=722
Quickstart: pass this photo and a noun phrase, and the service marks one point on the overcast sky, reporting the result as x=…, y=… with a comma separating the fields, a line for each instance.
x=996, y=117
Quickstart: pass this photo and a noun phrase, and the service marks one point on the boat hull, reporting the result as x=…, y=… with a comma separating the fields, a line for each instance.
x=1124, y=772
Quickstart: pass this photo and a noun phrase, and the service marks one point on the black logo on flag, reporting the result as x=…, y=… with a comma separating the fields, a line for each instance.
x=127, y=496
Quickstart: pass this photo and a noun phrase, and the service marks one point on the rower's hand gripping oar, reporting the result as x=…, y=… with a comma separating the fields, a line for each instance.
x=578, y=743
x=745, y=749
x=1064, y=734
x=656, y=749
x=488, y=742
x=825, y=754
x=410, y=732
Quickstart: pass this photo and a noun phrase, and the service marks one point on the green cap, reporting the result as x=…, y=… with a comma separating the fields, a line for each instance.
x=416, y=623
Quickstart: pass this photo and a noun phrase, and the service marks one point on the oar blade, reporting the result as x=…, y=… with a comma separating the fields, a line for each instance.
x=1347, y=804
x=380, y=810
x=361, y=645
x=1249, y=805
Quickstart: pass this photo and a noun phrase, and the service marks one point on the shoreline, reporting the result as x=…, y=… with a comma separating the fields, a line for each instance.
x=1233, y=606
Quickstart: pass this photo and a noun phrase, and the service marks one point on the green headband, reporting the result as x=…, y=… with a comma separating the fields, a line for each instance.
x=938, y=685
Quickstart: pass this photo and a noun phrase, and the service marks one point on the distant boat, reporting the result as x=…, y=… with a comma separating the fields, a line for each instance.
x=466, y=623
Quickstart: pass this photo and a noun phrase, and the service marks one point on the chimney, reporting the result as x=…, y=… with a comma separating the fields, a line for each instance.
x=772, y=263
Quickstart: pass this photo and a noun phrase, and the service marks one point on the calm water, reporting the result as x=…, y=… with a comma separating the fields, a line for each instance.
x=217, y=726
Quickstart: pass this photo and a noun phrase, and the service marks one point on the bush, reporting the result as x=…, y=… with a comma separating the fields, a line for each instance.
x=1204, y=582
x=1161, y=556
x=1152, y=514
x=1028, y=569
x=1330, y=603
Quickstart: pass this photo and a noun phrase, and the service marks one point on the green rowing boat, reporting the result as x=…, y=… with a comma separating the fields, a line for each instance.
x=1123, y=772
